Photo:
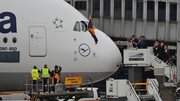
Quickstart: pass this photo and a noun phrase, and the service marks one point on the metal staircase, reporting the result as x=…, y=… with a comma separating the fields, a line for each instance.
x=146, y=58
x=131, y=94
x=164, y=69
x=152, y=90
x=121, y=88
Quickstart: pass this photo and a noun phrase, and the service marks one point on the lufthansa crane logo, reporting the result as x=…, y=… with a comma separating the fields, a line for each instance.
x=84, y=50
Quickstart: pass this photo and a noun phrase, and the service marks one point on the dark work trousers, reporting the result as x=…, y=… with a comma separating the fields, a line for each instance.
x=55, y=82
x=45, y=88
x=34, y=84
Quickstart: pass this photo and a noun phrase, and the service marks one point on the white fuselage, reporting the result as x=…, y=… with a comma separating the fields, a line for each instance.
x=45, y=34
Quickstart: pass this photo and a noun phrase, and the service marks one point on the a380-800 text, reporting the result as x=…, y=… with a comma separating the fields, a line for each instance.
x=8, y=48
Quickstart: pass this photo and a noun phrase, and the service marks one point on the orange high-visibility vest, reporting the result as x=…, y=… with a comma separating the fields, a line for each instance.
x=57, y=77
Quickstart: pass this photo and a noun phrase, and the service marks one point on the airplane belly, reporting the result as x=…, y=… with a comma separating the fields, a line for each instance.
x=12, y=81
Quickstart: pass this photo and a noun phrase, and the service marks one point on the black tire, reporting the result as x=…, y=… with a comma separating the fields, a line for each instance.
x=0, y=98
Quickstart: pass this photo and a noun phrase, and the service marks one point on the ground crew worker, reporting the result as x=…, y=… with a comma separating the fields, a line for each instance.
x=45, y=75
x=56, y=74
x=35, y=75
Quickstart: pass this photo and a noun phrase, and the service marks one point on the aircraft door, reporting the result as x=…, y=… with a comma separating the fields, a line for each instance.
x=37, y=41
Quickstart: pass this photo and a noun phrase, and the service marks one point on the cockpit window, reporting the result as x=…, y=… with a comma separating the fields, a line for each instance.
x=77, y=27
x=83, y=26
x=80, y=26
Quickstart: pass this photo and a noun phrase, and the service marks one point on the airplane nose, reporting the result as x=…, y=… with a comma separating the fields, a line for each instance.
x=113, y=55
x=116, y=57
x=107, y=59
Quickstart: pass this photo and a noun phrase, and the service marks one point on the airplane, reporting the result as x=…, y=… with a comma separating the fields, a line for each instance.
x=52, y=32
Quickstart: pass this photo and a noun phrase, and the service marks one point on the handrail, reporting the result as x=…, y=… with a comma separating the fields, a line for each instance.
x=155, y=91
x=30, y=86
x=157, y=85
x=132, y=91
x=154, y=84
x=172, y=72
x=171, y=66
x=65, y=75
